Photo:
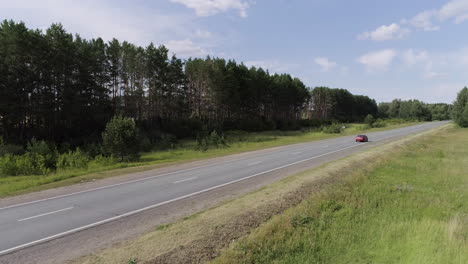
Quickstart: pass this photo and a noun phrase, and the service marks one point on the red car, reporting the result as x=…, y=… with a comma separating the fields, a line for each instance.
x=362, y=138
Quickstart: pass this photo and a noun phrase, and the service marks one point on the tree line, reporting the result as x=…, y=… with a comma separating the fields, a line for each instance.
x=62, y=88
x=414, y=110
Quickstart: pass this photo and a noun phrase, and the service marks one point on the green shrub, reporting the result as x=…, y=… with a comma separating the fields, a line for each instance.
x=213, y=139
x=27, y=164
x=145, y=143
x=333, y=129
x=120, y=139
x=379, y=123
x=8, y=165
x=92, y=150
x=369, y=120
x=101, y=160
x=72, y=160
x=166, y=141
x=395, y=121
x=12, y=149
x=49, y=153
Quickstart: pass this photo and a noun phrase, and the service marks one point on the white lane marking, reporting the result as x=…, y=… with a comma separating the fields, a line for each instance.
x=146, y=178
x=297, y=153
x=189, y=179
x=49, y=213
x=6, y=251
x=254, y=163
x=417, y=128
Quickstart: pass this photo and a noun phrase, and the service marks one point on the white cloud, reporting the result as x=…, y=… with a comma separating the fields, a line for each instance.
x=213, y=7
x=435, y=65
x=203, y=34
x=430, y=75
x=423, y=61
x=456, y=9
x=423, y=20
x=325, y=63
x=273, y=66
x=106, y=19
x=411, y=57
x=382, y=33
x=442, y=92
x=378, y=60
x=185, y=48
x=460, y=19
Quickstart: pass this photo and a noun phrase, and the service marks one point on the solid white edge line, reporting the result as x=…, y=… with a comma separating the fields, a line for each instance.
x=193, y=178
x=170, y=173
x=144, y=179
x=6, y=251
x=36, y=216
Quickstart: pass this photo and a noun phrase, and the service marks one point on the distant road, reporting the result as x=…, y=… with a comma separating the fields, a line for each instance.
x=35, y=222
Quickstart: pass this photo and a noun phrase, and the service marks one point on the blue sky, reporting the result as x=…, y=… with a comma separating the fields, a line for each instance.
x=385, y=49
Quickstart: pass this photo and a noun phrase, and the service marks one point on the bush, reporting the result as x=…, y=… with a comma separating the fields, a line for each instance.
x=166, y=141
x=8, y=165
x=101, y=160
x=27, y=164
x=369, y=120
x=92, y=150
x=72, y=160
x=41, y=148
x=120, y=139
x=205, y=141
x=395, y=121
x=145, y=143
x=333, y=129
x=12, y=149
x=379, y=123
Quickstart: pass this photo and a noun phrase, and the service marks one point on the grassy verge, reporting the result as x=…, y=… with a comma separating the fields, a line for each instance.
x=409, y=208
x=237, y=143
x=211, y=230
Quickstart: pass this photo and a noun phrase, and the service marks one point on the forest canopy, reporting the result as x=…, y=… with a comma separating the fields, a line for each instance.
x=59, y=87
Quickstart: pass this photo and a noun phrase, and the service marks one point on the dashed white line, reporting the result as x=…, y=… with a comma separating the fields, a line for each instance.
x=160, y=175
x=254, y=163
x=297, y=153
x=137, y=180
x=49, y=213
x=6, y=251
x=155, y=205
x=189, y=179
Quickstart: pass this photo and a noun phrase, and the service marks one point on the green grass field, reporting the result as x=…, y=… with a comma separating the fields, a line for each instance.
x=409, y=208
x=185, y=151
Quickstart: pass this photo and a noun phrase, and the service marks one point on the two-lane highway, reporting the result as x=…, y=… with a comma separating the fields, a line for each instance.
x=28, y=224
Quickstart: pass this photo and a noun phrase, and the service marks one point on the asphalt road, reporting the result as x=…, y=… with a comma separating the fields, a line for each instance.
x=27, y=224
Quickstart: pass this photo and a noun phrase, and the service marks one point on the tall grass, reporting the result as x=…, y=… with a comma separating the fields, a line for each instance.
x=411, y=208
